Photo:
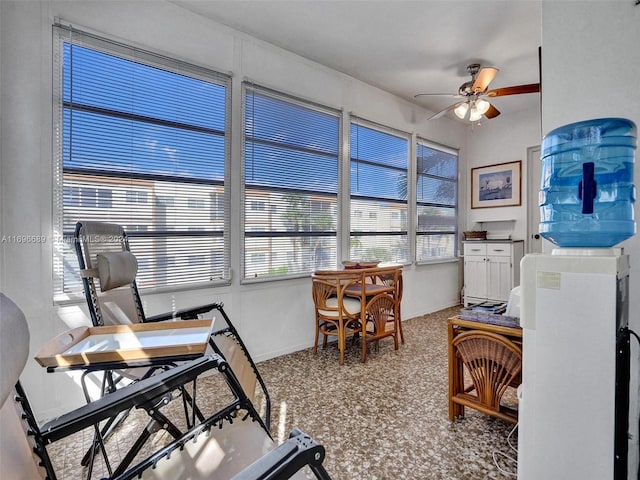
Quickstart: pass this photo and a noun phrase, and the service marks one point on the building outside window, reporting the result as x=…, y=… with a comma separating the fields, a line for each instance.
x=136, y=196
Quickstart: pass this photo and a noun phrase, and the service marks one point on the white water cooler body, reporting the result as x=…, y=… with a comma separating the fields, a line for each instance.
x=574, y=398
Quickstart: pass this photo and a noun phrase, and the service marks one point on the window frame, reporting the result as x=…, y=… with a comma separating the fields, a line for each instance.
x=64, y=34
x=357, y=121
x=248, y=231
x=420, y=141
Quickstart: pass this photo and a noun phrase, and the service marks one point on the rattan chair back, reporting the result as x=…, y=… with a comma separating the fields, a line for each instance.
x=492, y=361
x=381, y=321
x=392, y=277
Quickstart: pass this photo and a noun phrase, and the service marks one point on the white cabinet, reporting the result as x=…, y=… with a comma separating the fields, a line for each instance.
x=491, y=270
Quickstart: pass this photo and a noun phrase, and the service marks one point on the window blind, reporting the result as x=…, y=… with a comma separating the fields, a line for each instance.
x=290, y=171
x=379, y=169
x=141, y=141
x=437, y=202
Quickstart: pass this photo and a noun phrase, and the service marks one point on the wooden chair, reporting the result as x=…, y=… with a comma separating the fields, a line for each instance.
x=337, y=314
x=382, y=321
x=392, y=277
x=493, y=362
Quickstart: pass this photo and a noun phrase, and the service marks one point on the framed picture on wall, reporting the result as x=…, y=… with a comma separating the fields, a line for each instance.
x=496, y=185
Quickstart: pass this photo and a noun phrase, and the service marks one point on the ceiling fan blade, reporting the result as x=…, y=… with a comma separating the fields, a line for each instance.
x=483, y=79
x=518, y=89
x=442, y=112
x=492, y=112
x=452, y=95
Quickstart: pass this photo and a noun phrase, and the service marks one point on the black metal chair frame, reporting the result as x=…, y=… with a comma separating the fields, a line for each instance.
x=190, y=313
x=280, y=463
x=111, y=378
x=157, y=420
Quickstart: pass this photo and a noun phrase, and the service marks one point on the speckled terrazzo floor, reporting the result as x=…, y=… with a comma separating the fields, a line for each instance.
x=384, y=419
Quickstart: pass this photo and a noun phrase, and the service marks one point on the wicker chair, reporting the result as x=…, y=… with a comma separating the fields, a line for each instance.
x=382, y=321
x=493, y=362
x=393, y=278
x=336, y=313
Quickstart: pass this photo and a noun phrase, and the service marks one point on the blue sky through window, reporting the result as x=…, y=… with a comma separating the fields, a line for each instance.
x=379, y=164
x=150, y=121
x=290, y=146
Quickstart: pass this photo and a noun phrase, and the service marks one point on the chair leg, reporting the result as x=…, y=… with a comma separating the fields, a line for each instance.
x=399, y=319
x=315, y=344
x=109, y=428
x=364, y=343
x=341, y=343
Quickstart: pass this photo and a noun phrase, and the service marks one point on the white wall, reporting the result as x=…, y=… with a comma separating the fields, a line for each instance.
x=590, y=59
x=500, y=140
x=274, y=317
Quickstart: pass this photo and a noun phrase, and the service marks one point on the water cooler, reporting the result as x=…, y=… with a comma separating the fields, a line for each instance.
x=574, y=397
x=574, y=310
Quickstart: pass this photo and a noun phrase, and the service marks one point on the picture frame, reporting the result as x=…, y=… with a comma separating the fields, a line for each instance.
x=498, y=185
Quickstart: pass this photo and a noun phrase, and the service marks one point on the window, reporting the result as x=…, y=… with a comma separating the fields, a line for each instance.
x=379, y=163
x=437, y=201
x=217, y=207
x=291, y=157
x=196, y=203
x=142, y=141
x=136, y=196
x=87, y=197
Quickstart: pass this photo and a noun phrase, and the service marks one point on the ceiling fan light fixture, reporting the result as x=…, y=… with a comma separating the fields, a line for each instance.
x=482, y=106
x=461, y=110
x=474, y=115
x=471, y=91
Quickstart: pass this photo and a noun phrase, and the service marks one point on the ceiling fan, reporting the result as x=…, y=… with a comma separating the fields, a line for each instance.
x=474, y=106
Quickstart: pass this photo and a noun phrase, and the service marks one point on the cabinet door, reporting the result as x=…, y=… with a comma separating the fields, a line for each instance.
x=498, y=278
x=475, y=276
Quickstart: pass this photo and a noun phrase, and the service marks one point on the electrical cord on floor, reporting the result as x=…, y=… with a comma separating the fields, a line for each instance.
x=496, y=454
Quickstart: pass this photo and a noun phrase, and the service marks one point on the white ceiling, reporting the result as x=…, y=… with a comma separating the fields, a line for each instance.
x=403, y=47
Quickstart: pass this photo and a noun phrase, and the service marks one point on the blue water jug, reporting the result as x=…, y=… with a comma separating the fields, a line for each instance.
x=587, y=192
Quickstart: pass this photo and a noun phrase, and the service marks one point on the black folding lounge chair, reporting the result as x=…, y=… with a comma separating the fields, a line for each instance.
x=105, y=258
x=108, y=270
x=233, y=442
